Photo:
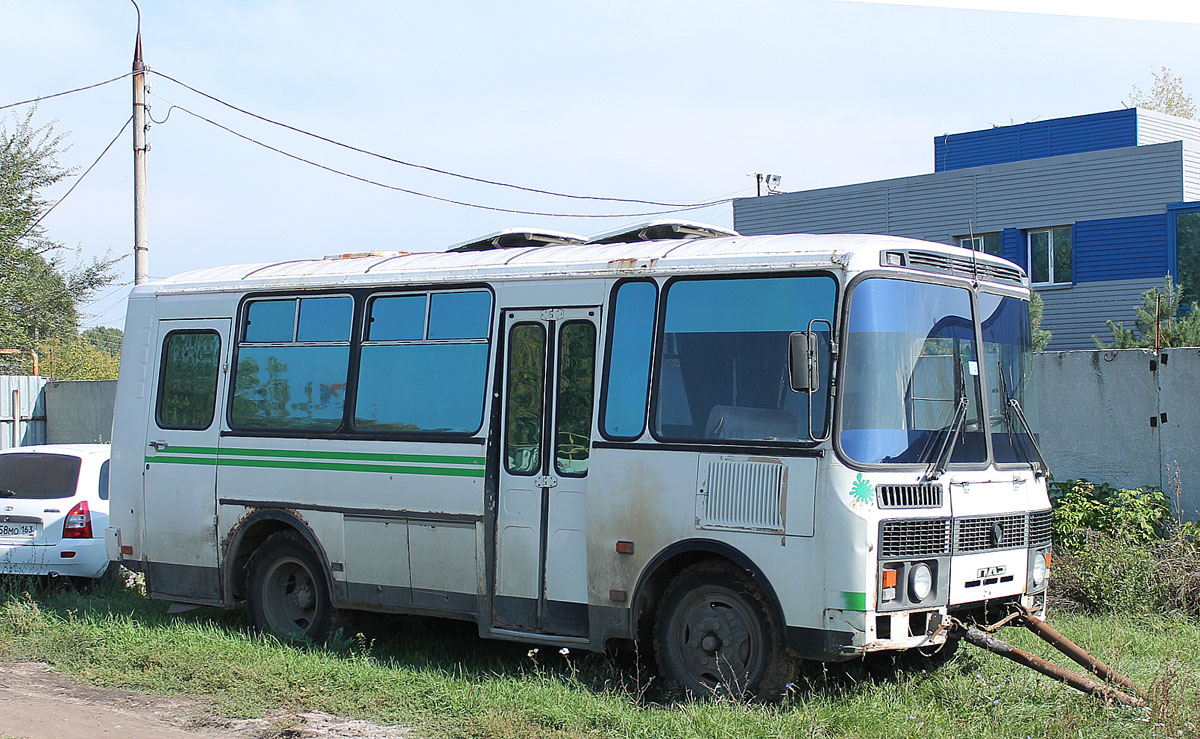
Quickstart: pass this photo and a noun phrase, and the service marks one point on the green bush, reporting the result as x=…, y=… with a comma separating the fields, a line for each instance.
x=1137, y=516
x=1120, y=550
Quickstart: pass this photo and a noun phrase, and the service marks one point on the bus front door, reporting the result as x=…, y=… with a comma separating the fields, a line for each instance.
x=541, y=536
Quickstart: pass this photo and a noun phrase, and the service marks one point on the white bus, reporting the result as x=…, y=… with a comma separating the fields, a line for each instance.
x=738, y=450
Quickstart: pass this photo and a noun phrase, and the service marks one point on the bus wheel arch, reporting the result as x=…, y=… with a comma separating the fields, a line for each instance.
x=250, y=534
x=665, y=566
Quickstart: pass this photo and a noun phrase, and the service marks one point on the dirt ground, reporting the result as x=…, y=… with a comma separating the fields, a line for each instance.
x=38, y=703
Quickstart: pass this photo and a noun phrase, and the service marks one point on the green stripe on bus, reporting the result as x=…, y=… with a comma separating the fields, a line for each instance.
x=317, y=465
x=854, y=601
x=306, y=454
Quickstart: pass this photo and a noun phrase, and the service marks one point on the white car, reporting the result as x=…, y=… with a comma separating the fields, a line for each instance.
x=54, y=510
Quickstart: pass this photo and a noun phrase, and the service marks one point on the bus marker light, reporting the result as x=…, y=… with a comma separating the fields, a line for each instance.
x=624, y=547
x=619, y=596
x=126, y=549
x=889, y=578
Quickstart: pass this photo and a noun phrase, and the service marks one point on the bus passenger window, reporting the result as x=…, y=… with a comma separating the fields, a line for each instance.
x=188, y=393
x=576, y=372
x=723, y=371
x=423, y=367
x=291, y=375
x=628, y=375
x=526, y=391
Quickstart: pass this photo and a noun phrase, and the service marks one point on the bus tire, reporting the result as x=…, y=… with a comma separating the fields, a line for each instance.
x=287, y=594
x=715, y=634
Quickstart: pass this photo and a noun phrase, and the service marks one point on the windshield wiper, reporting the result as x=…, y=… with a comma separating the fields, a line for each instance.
x=1013, y=407
x=949, y=439
x=1045, y=468
x=8, y=494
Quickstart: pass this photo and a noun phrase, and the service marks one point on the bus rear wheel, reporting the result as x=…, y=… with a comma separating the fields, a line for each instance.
x=287, y=594
x=716, y=635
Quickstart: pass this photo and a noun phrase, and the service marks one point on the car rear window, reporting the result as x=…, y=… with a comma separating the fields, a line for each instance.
x=38, y=475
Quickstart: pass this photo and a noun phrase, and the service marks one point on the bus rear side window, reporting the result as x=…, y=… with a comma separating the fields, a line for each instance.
x=628, y=376
x=188, y=390
x=291, y=374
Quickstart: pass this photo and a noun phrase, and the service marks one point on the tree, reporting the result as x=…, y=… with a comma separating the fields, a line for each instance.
x=1158, y=317
x=1040, y=338
x=39, y=294
x=1166, y=96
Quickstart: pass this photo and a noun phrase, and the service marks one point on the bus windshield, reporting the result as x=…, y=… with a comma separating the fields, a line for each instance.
x=1007, y=363
x=912, y=377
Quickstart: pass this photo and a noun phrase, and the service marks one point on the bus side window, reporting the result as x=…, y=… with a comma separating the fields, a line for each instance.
x=627, y=377
x=423, y=367
x=188, y=390
x=292, y=364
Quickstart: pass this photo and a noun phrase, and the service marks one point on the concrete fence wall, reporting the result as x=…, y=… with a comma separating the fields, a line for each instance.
x=80, y=411
x=1125, y=417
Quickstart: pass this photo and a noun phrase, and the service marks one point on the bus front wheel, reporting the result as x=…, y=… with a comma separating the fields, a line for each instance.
x=715, y=635
x=287, y=594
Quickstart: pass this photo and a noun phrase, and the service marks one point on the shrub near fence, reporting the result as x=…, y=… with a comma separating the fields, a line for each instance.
x=1120, y=550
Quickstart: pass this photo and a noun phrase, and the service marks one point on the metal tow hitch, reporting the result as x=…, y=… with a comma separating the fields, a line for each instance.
x=985, y=638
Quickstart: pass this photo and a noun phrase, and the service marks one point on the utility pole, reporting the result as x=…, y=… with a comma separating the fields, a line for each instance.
x=758, y=180
x=141, y=246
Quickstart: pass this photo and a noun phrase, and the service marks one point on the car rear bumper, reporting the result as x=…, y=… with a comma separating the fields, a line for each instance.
x=84, y=558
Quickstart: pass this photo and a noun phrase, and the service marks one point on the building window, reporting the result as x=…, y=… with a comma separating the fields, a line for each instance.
x=1050, y=256
x=987, y=243
x=1187, y=254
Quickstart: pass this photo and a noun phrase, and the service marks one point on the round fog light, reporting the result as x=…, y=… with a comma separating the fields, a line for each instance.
x=1039, y=568
x=920, y=582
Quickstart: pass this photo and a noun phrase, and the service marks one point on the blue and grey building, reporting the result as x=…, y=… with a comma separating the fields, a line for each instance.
x=1098, y=208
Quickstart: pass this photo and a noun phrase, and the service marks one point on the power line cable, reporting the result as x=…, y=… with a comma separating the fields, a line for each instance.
x=75, y=184
x=64, y=92
x=428, y=168
x=429, y=196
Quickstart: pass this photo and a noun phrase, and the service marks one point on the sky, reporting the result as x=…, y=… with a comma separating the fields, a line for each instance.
x=671, y=100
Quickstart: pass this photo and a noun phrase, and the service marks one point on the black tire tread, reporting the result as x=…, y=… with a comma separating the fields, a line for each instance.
x=327, y=625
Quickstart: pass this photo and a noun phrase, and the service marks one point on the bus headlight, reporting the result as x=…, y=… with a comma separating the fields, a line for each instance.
x=920, y=582
x=1039, y=569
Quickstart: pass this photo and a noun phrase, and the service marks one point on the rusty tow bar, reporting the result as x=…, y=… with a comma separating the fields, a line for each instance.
x=984, y=639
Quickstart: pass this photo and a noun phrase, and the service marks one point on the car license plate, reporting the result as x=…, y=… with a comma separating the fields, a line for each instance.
x=20, y=530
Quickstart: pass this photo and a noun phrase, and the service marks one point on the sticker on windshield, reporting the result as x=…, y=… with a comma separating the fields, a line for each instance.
x=973, y=368
x=862, y=491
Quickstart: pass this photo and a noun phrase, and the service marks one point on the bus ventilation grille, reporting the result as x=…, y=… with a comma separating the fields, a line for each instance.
x=742, y=495
x=933, y=262
x=990, y=532
x=1039, y=528
x=914, y=538
x=925, y=495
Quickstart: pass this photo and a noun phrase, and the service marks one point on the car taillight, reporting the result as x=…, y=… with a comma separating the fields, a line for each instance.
x=78, y=524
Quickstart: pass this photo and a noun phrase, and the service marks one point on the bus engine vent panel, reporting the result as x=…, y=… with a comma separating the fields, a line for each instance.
x=924, y=495
x=741, y=494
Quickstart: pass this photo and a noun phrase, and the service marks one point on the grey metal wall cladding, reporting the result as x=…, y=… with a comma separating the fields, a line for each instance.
x=29, y=425
x=1092, y=132
x=1044, y=192
x=1120, y=248
x=1075, y=314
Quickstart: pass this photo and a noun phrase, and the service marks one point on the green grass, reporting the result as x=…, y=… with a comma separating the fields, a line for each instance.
x=442, y=679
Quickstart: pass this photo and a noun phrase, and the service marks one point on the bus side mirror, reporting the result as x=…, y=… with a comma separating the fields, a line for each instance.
x=802, y=361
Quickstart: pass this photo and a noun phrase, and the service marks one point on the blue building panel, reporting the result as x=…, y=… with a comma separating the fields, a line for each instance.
x=1012, y=246
x=1120, y=248
x=1112, y=129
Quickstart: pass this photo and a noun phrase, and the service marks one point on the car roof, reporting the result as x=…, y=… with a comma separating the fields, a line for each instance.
x=75, y=450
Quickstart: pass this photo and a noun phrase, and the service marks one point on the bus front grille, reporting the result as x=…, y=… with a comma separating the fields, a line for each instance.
x=989, y=532
x=914, y=538
x=1039, y=528
x=923, y=495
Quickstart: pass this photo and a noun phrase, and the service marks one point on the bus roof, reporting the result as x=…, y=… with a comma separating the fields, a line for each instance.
x=737, y=253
